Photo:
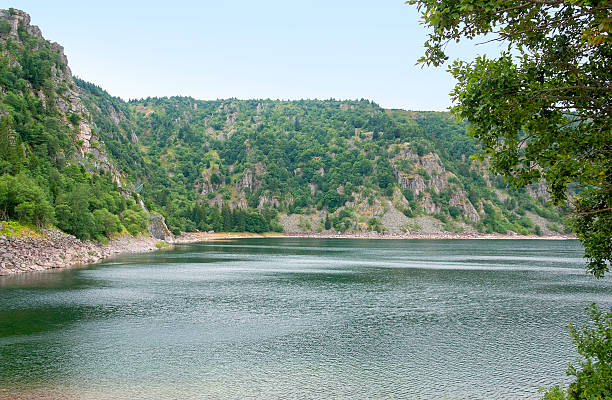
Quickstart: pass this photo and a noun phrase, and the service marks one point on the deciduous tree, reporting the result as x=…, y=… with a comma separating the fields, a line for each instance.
x=542, y=108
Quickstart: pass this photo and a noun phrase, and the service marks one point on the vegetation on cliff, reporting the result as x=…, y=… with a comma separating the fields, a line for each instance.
x=310, y=157
x=47, y=174
x=93, y=162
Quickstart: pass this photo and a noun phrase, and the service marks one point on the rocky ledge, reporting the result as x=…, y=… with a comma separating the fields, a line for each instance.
x=55, y=249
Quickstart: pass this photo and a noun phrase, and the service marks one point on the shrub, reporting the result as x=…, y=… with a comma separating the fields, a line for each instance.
x=594, y=372
x=454, y=211
x=5, y=27
x=135, y=221
x=106, y=222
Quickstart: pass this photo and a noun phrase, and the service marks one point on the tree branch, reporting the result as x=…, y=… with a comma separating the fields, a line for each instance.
x=594, y=211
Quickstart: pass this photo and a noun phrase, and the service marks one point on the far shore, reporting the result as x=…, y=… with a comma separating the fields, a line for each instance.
x=57, y=250
x=194, y=237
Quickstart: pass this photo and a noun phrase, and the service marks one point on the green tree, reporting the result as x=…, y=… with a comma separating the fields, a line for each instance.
x=255, y=222
x=106, y=222
x=9, y=145
x=542, y=108
x=238, y=220
x=226, y=216
x=23, y=199
x=73, y=214
x=135, y=220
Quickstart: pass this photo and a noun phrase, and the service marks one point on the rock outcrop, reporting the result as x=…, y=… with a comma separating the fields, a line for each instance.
x=158, y=228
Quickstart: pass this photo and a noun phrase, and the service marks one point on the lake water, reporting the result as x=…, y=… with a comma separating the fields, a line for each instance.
x=301, y=318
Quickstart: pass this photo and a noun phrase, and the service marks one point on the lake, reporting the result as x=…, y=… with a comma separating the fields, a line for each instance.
x=301, y=318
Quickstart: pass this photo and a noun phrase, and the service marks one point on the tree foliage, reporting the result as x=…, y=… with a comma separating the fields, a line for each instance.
x=42, y=178
x=541, y=109
x=22, y=199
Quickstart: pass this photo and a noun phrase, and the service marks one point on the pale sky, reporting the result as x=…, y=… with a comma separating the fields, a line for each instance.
x=249, y=49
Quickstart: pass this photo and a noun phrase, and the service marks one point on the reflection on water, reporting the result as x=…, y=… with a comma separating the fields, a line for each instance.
x=306, y=318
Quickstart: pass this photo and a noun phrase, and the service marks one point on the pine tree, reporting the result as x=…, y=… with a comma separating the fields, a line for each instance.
x=226, y=215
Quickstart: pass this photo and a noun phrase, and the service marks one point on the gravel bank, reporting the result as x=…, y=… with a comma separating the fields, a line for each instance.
x=54, y=249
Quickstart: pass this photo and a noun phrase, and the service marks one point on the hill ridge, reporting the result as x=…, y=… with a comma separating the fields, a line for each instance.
x=254, y=165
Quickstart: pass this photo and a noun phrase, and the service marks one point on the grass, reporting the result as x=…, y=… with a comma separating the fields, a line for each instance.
x=17, y=229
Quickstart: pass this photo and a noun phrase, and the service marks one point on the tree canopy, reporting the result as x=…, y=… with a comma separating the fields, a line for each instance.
x=542, y=108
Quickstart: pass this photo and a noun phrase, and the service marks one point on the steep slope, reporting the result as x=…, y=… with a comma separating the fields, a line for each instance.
x=53, y=166
x=347, y=166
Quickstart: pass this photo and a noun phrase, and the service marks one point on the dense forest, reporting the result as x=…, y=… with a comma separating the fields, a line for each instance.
x=92, y=164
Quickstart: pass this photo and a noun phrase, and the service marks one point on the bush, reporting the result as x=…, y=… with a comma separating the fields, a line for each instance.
x=106, y=223
x=74, y=119
x=5, y=27
x=255, y=222
x=135, y=221
x=454, y=211
x=594, y=372
x=73, y=215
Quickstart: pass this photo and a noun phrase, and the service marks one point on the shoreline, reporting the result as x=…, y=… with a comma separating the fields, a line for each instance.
x=430, y=236
x=195, y=237
x=53, y=249
x=57, y=250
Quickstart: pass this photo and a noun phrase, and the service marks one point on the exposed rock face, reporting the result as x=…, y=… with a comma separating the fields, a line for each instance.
x=429, y=163
x=158, y=228
x=115, y=116
x=460, y=201
x=249, y=181
x=204, y=187
x=415, y=183
x=14, y=17
x=429, y=206
x=438, y=175
x=438, y=181
x=268, y=202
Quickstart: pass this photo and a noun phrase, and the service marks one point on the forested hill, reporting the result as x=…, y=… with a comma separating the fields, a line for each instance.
x=239, y=165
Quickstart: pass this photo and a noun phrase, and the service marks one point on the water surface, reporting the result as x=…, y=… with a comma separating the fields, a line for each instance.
x=301, y=318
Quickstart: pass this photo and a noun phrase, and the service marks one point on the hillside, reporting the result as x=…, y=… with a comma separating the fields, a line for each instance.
x=53, y=168
x=242, y=165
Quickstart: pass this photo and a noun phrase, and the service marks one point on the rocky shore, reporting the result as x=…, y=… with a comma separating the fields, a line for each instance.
x=54, y=249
